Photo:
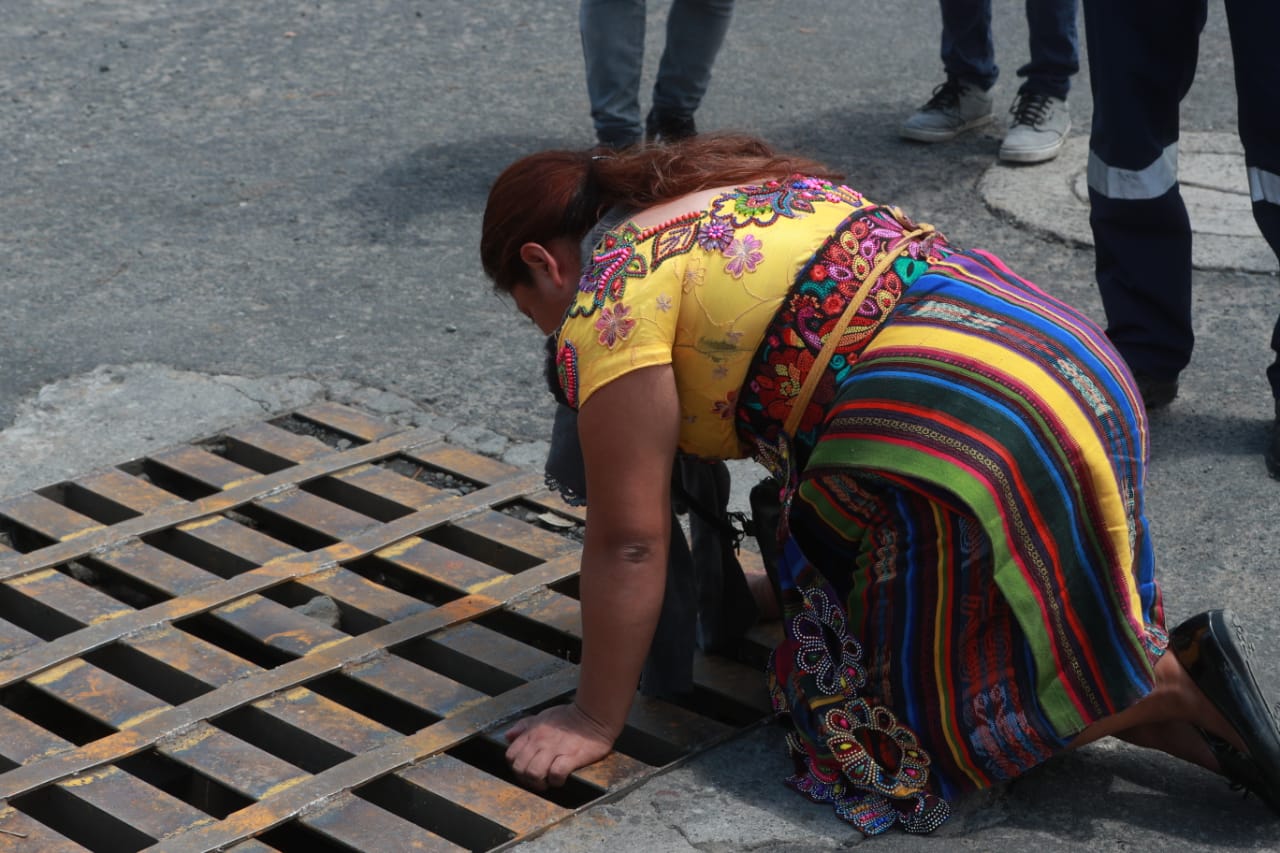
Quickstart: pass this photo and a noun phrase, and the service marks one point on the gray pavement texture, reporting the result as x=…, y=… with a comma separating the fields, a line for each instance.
x=212, y=210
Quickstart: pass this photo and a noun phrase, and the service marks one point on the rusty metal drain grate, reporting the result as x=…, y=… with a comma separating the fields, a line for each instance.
x=303, y=635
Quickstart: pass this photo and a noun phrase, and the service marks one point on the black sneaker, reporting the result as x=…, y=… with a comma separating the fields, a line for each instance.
x=1157, y=391
x=668, y=127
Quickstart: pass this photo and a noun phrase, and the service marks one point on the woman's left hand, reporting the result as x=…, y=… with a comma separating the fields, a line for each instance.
x=544, y=749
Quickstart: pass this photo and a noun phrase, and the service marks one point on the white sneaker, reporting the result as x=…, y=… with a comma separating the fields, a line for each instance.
x=1037, y=130
x=953, y=108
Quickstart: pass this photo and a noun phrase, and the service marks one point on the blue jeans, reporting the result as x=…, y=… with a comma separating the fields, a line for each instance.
x=613, y=47
x=968, y=53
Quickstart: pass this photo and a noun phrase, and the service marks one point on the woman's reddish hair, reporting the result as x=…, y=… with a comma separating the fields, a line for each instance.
x=554, y=195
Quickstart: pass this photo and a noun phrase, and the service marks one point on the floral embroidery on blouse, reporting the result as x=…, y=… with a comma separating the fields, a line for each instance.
x=765, y=204
x=614, y=325
x=715, y=235
x=664, y=303
x=744, y=256
x=724, y=408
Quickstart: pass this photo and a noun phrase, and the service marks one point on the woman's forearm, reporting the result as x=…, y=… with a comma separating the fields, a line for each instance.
x=621, y=602
x=629, y=430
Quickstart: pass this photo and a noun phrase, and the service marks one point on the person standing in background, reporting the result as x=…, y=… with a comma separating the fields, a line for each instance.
x=1040, y=117
x=1142, y=61
x=613, y=48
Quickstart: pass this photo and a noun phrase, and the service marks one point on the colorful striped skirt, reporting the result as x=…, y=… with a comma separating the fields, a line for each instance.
x=967, y=579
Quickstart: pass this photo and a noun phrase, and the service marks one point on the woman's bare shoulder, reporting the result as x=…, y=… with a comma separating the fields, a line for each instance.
x=669, y=210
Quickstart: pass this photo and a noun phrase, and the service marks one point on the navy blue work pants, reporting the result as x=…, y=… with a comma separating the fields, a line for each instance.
x=1142, y=60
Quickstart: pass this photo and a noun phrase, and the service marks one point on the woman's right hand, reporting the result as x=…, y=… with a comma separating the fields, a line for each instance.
x=544, y=749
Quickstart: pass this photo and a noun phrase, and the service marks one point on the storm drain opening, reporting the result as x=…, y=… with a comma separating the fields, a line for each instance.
x=307, y=633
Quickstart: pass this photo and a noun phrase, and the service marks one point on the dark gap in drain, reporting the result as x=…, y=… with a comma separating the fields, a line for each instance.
x=534, y=633
x=490, y=756
x=179, y=780
x=293, y=837
x=109, y=580
x=89, y=504
x=434, y=477
x=544, y=519
x=434, y=813
x=350, y=620
x=300, y=425
x=171, y=481
x=53, y=715
x=380, y=707
x=388, y=574
x=79, y=821
x=339, y=491
x=184, y=546
x=453, y=664
x=751, y=653
x=222, y=635
x=250, y=456
x=718, y=707
x=273, y=735
x=285, y=530
x=34, y=616
x=568, y=586
x=497, y=554
x=171, y=684
x=21, y=538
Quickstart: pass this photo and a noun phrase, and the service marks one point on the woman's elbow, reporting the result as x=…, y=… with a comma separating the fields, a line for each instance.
x=633, y=549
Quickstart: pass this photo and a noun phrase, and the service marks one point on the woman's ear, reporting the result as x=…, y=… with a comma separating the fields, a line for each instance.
x=541, y=262
x=556, y=263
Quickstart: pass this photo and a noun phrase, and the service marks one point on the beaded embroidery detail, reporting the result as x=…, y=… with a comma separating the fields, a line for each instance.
x=567, y=371
x=847, y=751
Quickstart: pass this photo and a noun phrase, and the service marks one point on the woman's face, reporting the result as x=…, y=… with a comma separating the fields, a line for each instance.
x=544, y=306
x=552, y=282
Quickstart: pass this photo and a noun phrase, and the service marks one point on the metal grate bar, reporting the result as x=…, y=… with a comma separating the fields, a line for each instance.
x=49, y=601
x=492, y=799
x=303, y=634
x=50, y=519
x=200, y=467
x=267, y=447
x=112, y=495
x=348, y=421
x=358, y=825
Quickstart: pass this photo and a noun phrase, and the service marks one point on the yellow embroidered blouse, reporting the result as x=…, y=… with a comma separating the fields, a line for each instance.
x=697, y=292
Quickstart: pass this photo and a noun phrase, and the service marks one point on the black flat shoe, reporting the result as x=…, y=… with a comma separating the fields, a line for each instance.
x=1157, y=391
x=1213, y=649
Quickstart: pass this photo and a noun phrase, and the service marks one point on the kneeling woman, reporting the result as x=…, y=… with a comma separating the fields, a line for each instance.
x=967, y=578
